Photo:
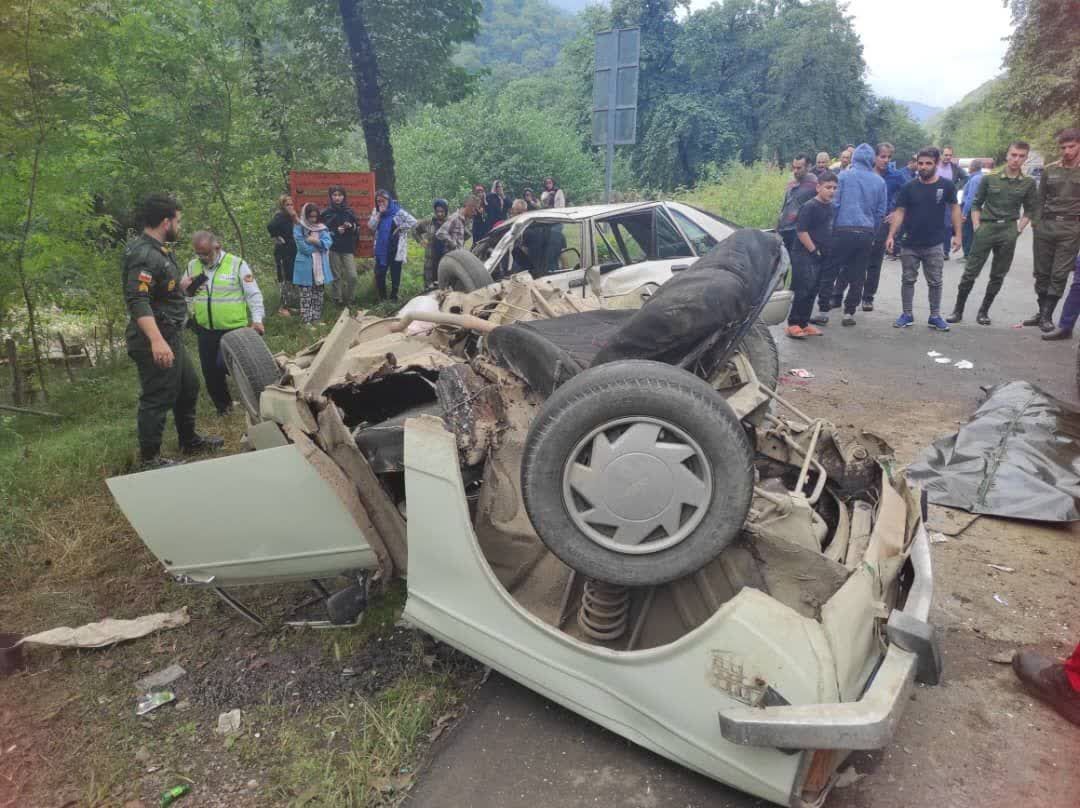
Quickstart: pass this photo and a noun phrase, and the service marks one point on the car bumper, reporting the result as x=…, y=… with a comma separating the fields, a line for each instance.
x=776, y=310
x=870, y=722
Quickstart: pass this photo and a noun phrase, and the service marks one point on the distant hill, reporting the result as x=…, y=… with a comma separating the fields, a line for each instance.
x=574, y=6
x=919, y=111
x=518, y=37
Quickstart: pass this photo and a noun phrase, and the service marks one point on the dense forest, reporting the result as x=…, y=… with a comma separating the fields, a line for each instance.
x=216, y=101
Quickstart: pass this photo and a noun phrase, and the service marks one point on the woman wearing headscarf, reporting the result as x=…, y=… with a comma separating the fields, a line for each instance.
x=391, y=224
x=498, y=203
x=531, y=202
x=311, y=270
x=280, y=229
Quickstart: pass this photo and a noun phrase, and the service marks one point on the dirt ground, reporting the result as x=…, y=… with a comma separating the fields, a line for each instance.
x=347, y=718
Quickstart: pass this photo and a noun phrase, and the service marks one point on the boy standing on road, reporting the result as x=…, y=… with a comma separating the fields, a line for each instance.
x=920, y=208
x=997, y=221
x=813, y=229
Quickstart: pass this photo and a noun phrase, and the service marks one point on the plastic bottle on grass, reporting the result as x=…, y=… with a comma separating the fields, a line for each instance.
x=173, y=794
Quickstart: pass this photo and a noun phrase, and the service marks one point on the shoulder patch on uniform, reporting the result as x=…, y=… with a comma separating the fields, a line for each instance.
x=172, y=285
x=145, y=277
x=144, y=288
x=249, y=278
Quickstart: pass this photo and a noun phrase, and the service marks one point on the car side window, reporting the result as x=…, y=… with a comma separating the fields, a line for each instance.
x=549, y=247
x=604, y=242
x=700, y=240
x=669, y=241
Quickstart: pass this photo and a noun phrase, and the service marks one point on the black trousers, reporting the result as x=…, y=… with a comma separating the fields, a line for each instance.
x=850, y=256
x=805, y=276
x=213, y=367
x=394, y=268
x=873, y=266
x=173, y=388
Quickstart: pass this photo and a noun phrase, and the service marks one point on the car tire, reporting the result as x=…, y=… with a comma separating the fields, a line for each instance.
x=760, y=349
x=643, y=417
x=251, y=365
x=462, y=271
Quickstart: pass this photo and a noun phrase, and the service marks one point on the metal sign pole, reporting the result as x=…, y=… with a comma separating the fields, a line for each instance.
x=609, y=151
x=615, y=95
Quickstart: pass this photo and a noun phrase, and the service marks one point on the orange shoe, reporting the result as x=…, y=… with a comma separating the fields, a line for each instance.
x=795, y=332
x=810, y=331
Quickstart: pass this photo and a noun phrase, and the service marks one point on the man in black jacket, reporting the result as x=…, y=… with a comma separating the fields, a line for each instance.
x=344, y=229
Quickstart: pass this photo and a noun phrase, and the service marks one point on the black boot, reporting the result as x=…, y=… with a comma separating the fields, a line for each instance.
x=150, y=458
x=958, y=310
x=1056, y=334
x=1036, y=318
x=1046, y=313
x=201, y=443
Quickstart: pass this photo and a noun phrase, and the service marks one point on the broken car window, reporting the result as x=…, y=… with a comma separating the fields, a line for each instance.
x=701, y=241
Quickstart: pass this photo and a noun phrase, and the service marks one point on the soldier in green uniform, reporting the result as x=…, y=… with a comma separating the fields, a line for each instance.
x=1057, y=235
x=997, y=220
x=158, y=311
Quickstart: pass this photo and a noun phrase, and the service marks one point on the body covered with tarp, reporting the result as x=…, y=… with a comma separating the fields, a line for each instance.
x=1017, y=457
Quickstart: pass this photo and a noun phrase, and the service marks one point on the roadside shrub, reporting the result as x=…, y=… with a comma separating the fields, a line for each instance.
x=749, y=195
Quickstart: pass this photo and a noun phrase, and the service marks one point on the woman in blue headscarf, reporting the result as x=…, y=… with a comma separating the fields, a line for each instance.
x=391, y=224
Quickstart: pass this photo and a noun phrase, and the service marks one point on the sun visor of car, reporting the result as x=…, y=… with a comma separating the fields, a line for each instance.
x=1017, y=457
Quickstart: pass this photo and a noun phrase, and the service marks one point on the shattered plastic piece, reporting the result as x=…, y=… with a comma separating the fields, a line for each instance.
x=109, y=631
x=938, y=538
x=941, y=360
x=151, y=701
x=964, y=364
x=802, y=373
x=933, y=353
x=848, y=777
x=1000, y=568
x=1000, y=599
x=173, y=794
x=1017, y=457
x=1004, y=658
x=159, y=679
x=229, y=723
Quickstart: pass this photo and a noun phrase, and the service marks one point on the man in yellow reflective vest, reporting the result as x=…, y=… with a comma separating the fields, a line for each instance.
x=223, y=292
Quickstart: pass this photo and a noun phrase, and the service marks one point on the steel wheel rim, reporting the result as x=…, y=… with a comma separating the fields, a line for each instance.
x=637, y=485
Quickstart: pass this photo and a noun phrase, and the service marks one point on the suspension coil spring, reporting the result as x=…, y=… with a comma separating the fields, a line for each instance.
x=604, y=611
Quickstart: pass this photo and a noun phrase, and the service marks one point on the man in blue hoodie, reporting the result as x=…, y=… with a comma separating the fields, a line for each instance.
x=860, y=203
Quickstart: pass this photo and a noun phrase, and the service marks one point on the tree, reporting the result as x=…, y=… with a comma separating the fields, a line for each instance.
x=1043, y=60
x=400, y=55
x=888, y=121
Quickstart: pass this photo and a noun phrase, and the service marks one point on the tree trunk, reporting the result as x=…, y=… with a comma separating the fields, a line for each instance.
x=16, y=374
x=369, y=100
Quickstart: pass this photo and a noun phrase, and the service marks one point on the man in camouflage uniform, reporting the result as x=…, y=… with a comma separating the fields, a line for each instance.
x=997, y=221
x=1057, y=235
x=154, y=335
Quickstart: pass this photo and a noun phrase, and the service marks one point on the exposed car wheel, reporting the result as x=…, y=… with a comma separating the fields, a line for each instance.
x=760, y=349
x=636, y=473
x=462, y=271
x=251, y=365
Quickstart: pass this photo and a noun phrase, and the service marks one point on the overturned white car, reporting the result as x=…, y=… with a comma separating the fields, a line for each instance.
x=613, y=507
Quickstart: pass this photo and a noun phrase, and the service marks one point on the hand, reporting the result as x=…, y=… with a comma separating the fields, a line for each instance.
x=279, y=240
x=312, y=239
x=1019, y=226
x=889, y=244
x=163, y=354
x=341, y=229
x=185, y=282
x=258, y=328
x=957, y=242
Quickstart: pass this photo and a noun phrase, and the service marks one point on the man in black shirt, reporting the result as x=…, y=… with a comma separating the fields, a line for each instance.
x=921, y=206
x=813, y=229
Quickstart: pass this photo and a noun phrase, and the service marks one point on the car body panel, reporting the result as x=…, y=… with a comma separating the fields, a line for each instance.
x=244, y=519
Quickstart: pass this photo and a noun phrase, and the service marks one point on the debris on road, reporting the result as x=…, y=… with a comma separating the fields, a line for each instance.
x=162, y=678
x=1001, y=568
x=151, y=701
x=941, y=360
x=801, y=373
x=173, y=794
x=938, y=538
x=1004, y=658
x=1000, y=599
x=964, y=364
x=848, y=777
x=229, y=723
x=109, y=631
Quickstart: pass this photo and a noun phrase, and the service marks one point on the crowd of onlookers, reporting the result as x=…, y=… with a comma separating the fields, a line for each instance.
x=839, y=221
x=315, y=249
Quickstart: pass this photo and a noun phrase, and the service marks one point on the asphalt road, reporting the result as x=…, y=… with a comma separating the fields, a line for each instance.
x=976, y=740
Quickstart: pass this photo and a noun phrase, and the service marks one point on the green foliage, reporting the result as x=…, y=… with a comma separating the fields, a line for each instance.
x=980, y=124
x=890, y=122
x=517, y=38
x=749, y=195
x=1044, y=61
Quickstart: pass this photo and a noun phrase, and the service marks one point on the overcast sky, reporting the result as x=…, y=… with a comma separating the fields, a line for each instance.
x=945, y=49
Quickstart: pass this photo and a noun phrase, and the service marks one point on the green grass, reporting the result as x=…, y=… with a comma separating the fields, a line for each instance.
x=750, y=196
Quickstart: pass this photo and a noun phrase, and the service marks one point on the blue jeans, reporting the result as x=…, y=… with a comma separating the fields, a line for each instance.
x=394, y=268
